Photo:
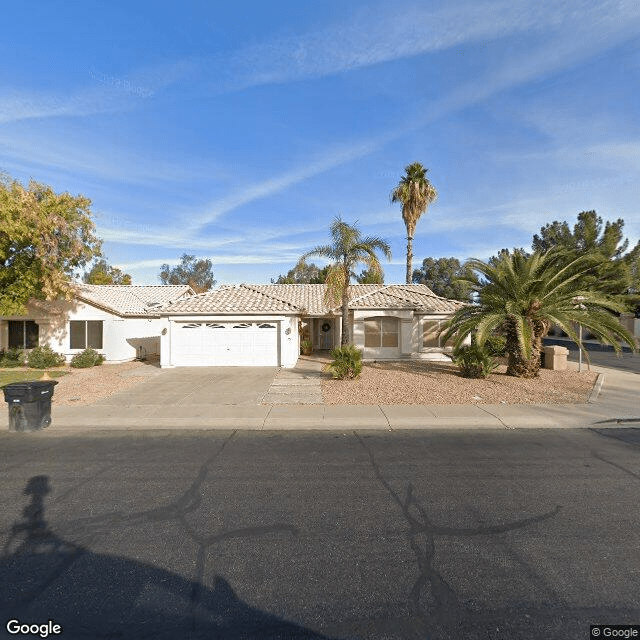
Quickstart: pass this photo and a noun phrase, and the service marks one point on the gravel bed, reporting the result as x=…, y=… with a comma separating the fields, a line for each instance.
x=440, y=383
x=85, y=386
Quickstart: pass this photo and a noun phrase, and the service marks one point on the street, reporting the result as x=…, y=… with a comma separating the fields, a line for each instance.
x=492, y=534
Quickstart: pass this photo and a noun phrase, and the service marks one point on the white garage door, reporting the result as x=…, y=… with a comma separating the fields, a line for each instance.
x=231, y=344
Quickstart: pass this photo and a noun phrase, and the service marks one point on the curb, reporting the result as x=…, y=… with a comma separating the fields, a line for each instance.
x=597, y=388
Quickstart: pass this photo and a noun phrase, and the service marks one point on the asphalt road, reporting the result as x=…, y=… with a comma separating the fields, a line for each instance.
x=474, y=534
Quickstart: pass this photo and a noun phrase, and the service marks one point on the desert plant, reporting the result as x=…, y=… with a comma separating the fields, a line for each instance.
x=87, y=358
x=522, y=296
x=347, y=362
x=306, y=346
x=44, y=357
x=13, y=358
x=496, y=346
x=474, y=361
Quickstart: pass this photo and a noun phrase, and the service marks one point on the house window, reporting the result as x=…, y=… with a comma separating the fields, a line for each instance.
x=23, y=334
x=430, y=338
x=381, y=332
x=85, y=334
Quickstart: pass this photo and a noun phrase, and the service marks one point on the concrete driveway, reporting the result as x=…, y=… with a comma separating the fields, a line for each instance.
x=184, y=386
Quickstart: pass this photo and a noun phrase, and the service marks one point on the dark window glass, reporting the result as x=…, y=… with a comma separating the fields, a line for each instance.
x=78, y=333
x=23, y=334
x=94, y=334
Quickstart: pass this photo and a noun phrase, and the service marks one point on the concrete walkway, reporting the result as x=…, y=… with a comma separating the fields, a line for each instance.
x=614, y=402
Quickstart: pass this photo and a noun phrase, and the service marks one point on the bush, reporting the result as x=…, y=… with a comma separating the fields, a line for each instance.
x=44, y=357
x=306, y=347
x=474, y=361
x=347, y=362
x=87, y=358
x=13, y=358
x=496, y=346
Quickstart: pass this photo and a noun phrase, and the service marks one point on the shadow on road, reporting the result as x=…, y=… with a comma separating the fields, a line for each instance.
x=43, y=577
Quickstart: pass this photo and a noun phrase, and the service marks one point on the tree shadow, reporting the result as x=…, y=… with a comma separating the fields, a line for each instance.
x=44, y=577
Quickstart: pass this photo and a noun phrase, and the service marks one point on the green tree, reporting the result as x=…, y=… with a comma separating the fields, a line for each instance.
x=45, y=238
x=103, y=273
x=347, y=250
x=415, y=193
x=369, y=276
x=442, y=276
x=615, y=270
x=522, y=295
x=196, y=273
x=303, y=273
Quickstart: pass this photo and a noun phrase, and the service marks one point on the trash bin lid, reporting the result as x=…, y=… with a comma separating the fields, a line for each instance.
x=29, y=390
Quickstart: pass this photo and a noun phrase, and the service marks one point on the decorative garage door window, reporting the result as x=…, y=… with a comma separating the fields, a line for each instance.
x=242, y=325
x=85, y=334
x=264, y=325
x=430, y=337
x=381, y=332
x=213, y=325
x=191, y=326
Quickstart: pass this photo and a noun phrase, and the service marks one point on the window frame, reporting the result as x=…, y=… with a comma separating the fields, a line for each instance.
x=85, y=335
x=381, y=332
x=25, y=342
x=427, y=320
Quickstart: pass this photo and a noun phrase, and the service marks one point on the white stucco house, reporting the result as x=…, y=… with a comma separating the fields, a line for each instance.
x=120, y=321
x=232, y=325
x=263, y=325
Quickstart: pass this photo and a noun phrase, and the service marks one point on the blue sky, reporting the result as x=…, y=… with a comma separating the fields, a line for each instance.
x=238, y=131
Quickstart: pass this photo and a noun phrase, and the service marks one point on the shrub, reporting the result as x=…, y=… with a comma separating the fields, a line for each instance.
x=306, y=347
x=347, y=362
x=496, y=346
x=13, y=358
x=474, y=361
x=87, y=358
x=44, y=357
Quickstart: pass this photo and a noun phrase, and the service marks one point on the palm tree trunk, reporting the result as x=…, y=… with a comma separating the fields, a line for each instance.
x=409, y=258
x=345, y=337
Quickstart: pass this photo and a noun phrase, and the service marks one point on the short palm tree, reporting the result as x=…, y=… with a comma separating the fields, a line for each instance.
x=522, y=296
x=348, y=249
x=415, y=193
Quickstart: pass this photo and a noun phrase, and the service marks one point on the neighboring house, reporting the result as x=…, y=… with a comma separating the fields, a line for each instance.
x=262, y=325
x=121, y=321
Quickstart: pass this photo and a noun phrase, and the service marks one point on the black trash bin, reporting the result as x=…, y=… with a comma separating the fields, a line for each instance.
x=29, y=404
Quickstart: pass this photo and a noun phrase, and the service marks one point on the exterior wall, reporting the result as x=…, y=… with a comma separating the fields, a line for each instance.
x=288, y=338
x=121, y=337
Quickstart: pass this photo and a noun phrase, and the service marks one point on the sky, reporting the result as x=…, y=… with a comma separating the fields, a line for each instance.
x=238, y=131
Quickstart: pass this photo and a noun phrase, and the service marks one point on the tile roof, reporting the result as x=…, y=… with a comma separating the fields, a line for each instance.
x=130, y=299
x=309, y=299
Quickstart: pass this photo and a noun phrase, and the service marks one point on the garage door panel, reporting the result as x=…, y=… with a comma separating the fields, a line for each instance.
x=225, y=344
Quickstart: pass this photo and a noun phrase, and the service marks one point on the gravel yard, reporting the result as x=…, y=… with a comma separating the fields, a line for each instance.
x=85, y=386
x=440, y=383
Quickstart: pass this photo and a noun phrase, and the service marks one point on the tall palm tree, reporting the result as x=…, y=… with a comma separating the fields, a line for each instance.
x=415, y=193
x=522, y=295
x=347, y=250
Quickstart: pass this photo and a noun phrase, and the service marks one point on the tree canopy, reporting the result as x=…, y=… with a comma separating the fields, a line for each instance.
x=442, y=276
x=415, y=193
x=615, y=270
x=104, y=273
x=347, y=250
x=197, y=274
x=522, y=295
x=45, y=238
x=303, y=273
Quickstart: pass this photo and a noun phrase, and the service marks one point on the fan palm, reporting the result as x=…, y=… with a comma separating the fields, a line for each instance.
x=415, y=193
x=348, y=249
x=522, y=295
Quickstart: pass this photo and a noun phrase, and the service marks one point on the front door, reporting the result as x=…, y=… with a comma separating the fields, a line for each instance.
x=325, y=333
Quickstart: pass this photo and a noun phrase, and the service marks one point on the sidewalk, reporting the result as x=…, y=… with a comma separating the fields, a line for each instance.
x=616, y=403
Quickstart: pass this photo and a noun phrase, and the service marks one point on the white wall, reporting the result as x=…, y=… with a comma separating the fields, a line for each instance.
x=288, y=334
x=121, y=337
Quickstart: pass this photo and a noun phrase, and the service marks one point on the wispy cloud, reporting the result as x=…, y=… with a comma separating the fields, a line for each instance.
x=391, y=32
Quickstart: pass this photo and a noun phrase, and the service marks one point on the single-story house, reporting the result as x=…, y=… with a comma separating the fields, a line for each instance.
x=232, y=325
x=120, y=321
x=263, y=325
